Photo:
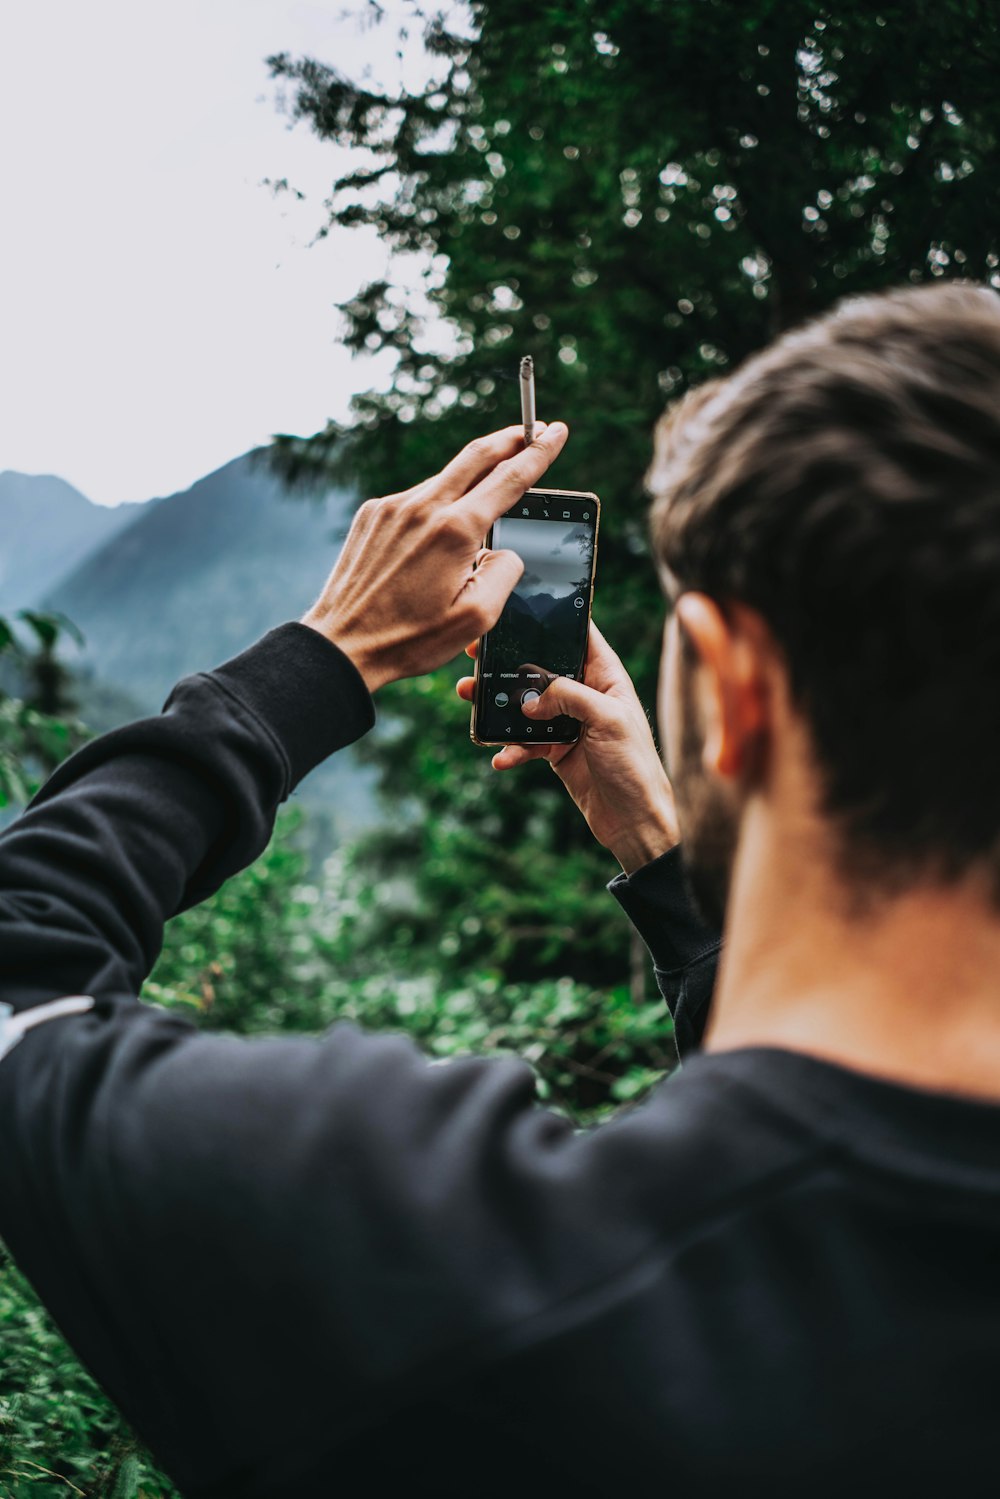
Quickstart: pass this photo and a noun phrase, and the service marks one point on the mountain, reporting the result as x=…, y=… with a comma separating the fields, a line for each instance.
x=47, y=527
x=197, y=577
x=540, y=629
x=541, y=605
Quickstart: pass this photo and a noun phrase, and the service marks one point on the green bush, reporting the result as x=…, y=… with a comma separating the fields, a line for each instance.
x=59, y=1433
x=270, y=954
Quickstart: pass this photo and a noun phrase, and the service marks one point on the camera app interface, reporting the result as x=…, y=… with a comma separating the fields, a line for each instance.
x=542, y=631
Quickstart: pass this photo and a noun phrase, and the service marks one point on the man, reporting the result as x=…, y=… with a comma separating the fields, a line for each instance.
x=325, y=1266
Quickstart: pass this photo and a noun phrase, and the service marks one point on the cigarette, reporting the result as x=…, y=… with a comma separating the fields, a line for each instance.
x=528, y=398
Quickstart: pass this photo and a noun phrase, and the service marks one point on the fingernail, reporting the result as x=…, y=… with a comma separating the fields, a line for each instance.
x=530, y=706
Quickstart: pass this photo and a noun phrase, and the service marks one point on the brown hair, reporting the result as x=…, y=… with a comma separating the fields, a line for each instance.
x=845, y=483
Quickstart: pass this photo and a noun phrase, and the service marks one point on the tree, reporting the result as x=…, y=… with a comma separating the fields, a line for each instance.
x=38, y=726
x=639, y=195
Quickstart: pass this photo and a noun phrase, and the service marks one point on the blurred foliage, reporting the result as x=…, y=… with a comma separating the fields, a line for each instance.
x=38, y=727
x=59, y=1433
x=245, y=960
x=270, y=953
x=499, y=874
x=639, y=195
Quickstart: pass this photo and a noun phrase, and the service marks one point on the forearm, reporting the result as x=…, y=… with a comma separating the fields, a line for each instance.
x=153, y=817
x=656, y=834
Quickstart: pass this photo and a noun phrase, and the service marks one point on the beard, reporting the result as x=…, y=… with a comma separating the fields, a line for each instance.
x=708, y=816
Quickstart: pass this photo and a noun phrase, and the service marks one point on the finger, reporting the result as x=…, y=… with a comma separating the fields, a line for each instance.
x=477, y=458
x=605, y=668
x=491, y=585
x=513, y=755
x=510, y=478
x=466, y=688
x=472, y=649
x=563, y=695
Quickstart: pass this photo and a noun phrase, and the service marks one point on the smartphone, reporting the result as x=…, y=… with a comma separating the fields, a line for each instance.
x=542, y=632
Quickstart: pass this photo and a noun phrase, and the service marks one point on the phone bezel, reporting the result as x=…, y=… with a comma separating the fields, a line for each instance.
x=570, y=494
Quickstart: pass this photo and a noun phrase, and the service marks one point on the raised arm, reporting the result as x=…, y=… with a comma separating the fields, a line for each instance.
x=152, y=817
x=254, y=1244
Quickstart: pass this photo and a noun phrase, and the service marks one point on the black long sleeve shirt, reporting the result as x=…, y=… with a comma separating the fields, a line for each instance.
x=328, y=1266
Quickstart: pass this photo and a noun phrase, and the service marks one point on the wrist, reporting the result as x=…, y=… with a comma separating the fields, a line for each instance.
x=359, y=658
x=645, y=842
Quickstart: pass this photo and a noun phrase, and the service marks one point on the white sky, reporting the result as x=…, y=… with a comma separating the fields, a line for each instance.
x=160, y=310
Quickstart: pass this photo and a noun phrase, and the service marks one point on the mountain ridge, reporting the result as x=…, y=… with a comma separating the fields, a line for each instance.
x=33, y=556
x=188, y=581
x=199, y=575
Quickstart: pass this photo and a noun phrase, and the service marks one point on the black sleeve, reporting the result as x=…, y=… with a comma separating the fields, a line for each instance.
x=259, y=1246
x=685, y=951
x=153, y=817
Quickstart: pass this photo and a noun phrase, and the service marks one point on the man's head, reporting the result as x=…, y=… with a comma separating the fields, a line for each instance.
x=827, y=523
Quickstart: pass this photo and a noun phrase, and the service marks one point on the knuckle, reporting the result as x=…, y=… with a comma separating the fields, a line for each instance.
x=478, y=448
x=420, y=494
x=451, y=527
x=513, y=473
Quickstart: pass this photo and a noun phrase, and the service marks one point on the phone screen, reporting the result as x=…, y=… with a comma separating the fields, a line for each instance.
x=543, y=629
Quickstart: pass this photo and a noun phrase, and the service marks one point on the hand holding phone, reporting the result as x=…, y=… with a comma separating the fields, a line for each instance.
x=404, y=595
x=614, y=772
x=542, y=629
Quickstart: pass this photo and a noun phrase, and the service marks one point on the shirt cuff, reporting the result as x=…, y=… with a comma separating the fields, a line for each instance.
x=308, y=696
x=658, y=903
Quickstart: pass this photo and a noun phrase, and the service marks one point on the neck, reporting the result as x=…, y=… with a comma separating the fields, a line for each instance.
x=909, y=992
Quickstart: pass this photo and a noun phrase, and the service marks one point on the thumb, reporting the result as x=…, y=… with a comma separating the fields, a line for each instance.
x=564, y=695
x=494, y=580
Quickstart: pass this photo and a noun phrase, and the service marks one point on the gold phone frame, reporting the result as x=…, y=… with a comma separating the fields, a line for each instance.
x=571, y=494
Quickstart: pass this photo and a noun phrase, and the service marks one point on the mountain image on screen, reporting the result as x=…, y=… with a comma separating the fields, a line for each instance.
x=541, y=605
x=540, y=628
x=541, y=622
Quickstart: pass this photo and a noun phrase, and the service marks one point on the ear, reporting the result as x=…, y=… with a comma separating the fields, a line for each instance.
x=730, y=681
